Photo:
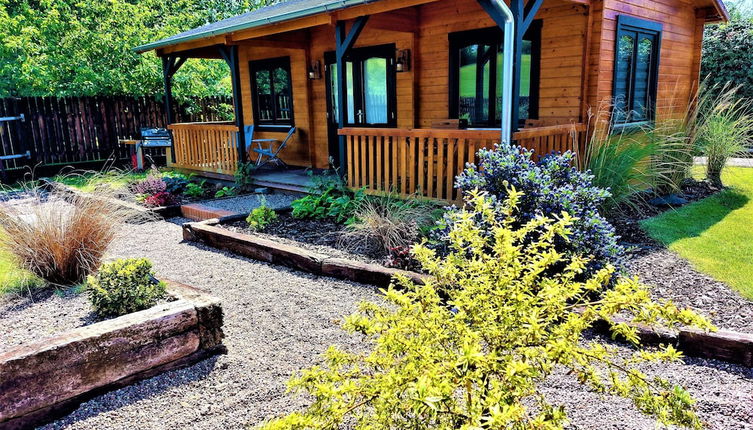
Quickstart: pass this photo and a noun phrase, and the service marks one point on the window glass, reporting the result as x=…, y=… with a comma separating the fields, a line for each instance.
x=350, y=93
x=272, y=91
x=375, y=90
x=635, y=70
x=477, y=71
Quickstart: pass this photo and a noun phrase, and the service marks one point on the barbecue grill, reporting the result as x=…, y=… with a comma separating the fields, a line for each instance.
x=150, y=138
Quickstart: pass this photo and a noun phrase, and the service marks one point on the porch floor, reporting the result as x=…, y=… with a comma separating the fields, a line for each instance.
x=294, y=179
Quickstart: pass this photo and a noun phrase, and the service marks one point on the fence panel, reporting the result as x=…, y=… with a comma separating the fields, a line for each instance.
x=71, y=130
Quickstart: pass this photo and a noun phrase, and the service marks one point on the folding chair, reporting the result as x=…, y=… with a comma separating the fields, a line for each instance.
x=271, y=152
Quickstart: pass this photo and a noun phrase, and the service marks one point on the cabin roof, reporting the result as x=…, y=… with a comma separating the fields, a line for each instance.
x=292, y=9
x=276, y=13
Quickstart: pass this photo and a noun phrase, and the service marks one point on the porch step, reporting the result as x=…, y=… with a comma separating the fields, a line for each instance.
x=280, y=186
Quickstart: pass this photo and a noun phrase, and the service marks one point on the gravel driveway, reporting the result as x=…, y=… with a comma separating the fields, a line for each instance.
x=278, y=321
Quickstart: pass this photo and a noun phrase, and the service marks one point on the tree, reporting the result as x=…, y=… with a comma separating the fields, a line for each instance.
x=83, y=47
x=728, y=51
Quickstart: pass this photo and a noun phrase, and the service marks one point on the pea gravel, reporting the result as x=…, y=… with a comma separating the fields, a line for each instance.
x=244, y=204
x=278, y=321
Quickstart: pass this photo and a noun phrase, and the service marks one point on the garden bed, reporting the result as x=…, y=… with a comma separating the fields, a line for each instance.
x=44, y=379
x=289, y=253
x=322, y=236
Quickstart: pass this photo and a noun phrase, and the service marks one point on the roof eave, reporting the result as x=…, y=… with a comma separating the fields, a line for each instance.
x=342, y=4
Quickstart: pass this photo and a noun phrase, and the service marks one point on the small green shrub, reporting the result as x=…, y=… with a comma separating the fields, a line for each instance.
x=333, y=202
x=123, y=287
x=195, y=190
x=226, y=192
x=261, y=217
x=244, y=175
x=473, y=347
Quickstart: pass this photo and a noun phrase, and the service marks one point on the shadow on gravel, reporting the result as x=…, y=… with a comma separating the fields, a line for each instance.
x=137, y=392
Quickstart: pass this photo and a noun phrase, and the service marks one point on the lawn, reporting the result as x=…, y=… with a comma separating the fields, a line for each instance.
x=89, y=181
x=11, y=277
x=715, y=234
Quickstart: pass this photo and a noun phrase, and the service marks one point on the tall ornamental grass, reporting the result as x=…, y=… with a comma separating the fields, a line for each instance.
x=61, y=240
x=725, y=129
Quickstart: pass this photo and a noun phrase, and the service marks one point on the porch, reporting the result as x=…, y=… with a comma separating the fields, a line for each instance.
x=407, y=161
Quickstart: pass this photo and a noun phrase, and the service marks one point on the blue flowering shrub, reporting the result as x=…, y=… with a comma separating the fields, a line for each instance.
x=548, y=188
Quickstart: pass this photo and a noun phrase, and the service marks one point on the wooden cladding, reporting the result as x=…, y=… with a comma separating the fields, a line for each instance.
x=208, y=147
x=426, y=161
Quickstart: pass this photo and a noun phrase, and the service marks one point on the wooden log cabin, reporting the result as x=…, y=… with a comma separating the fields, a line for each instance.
x=425, y=80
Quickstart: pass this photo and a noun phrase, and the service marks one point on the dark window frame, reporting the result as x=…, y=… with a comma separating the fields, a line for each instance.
x=494, y=34
x=270, y=64
x=636, y=26
x=387, y=51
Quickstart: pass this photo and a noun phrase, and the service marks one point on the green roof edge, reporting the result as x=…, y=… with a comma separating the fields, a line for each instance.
x=341, y=4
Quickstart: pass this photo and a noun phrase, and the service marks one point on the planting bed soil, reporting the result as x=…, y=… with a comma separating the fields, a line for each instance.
x=279, y=320
x=322, y=236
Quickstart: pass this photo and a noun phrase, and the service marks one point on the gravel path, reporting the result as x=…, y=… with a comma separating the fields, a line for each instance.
x=278, y=321
x=29, y=318
x=246, y=203
x=672, y=277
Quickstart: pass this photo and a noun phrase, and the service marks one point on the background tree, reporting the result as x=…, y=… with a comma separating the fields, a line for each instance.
x=728, y=49
x=84, y=47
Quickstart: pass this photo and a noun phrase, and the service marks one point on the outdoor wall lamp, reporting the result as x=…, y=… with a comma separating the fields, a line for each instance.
x=403, y=60
x=315, y=71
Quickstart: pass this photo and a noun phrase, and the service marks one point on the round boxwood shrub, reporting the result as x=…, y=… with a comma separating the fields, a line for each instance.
x=123, y=287
x=548, y=187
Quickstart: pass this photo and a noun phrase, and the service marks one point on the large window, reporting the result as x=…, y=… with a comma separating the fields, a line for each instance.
x=636, y=67
x=272, y=92
x=476, y=59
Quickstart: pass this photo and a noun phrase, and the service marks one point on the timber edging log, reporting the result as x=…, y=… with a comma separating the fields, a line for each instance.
x=44, y=380
x=295, y=257
x=732, y=347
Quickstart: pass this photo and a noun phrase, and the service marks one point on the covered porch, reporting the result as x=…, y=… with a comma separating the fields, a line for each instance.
x=409, y=151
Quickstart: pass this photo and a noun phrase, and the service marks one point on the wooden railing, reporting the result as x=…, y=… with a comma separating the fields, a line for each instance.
x=207, y=147
x=426, y=161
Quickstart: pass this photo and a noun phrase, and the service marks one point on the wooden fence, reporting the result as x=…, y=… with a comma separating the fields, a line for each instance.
x=426, y=161
x=75, y=130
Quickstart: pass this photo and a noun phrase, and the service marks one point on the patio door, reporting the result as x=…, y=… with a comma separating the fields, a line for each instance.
x=371, y=95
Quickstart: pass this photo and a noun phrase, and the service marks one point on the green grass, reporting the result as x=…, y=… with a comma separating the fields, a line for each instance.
x=12, y=278
x=715, y=234
x=89, y=181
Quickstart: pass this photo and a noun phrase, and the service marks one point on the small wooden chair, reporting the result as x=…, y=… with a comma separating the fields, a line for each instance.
x=270, y=152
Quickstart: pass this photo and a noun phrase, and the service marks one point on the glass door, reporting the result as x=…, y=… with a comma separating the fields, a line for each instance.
x=371, y=95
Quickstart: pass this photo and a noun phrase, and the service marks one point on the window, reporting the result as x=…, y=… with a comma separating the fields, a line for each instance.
x=272, y=92
x=476, y=59
x=370, y=86
x=636, y=67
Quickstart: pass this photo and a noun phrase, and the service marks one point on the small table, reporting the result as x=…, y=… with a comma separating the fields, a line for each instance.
x=134, y=149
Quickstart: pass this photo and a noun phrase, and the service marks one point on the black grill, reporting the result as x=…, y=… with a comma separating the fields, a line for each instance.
x=155, y=138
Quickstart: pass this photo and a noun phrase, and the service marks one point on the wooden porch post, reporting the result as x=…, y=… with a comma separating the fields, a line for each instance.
x=343, y=43
x=524, y=14
x=170, y=65
x=230, y=54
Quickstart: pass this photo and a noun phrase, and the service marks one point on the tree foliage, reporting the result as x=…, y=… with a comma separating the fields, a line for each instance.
x=471, y=347
x=83, y=47
x=728, y=51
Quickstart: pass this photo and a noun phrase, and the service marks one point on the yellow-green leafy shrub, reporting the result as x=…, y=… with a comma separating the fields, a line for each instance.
x=471, y=347
x=261, y=217
x=124, y=286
